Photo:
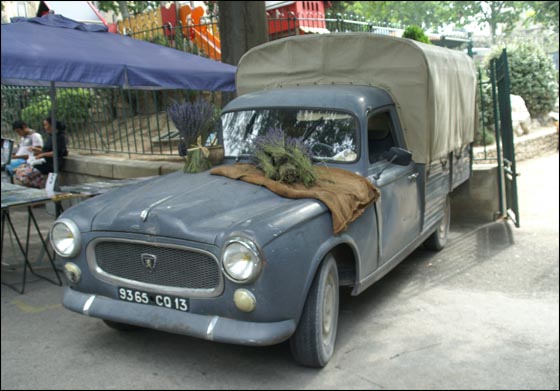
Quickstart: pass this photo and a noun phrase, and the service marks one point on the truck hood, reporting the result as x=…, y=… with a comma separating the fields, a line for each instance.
x=199, y=207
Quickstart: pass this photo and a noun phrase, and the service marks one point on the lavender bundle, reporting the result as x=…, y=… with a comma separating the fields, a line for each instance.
x=283, y=158
x=193, y=120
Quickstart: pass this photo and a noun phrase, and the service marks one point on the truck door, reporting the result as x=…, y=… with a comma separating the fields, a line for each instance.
x=398, y=209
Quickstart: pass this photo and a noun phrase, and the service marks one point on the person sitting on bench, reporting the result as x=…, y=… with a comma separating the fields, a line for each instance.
x=30, y=143
x=35, y=175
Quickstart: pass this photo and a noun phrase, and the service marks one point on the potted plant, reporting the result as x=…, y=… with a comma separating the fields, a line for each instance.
x=195, y=122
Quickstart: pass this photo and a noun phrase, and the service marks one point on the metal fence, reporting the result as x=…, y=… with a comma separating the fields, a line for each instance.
x=135, y=122
x=101, y=120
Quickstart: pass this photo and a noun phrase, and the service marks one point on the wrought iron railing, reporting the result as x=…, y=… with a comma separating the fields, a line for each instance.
x=101, y=120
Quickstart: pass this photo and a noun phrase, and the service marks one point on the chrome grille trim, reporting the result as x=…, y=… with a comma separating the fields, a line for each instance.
x=104, y=276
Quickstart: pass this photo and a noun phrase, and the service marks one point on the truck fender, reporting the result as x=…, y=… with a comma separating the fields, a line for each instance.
x=325, y=248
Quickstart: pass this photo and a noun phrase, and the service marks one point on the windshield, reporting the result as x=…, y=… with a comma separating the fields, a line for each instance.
x=331, y=135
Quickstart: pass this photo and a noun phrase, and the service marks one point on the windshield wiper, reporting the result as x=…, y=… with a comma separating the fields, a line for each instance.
x=311, y=129
x=249, y=126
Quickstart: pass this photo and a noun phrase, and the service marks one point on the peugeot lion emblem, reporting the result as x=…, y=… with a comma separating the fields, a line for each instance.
x=149, y=261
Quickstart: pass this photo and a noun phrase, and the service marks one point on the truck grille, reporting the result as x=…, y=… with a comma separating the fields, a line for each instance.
x=163, y=268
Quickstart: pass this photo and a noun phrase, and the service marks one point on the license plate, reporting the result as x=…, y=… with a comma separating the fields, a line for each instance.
x=171, y=302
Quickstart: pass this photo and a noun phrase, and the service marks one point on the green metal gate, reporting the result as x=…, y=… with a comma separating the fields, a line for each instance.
x=505, y=147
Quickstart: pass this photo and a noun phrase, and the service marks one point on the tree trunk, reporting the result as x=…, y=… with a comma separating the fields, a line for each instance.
x=243, y=25
x=123, y=7
x=494, y=21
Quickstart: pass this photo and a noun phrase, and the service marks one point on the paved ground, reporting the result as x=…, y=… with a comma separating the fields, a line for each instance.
x=481, y=314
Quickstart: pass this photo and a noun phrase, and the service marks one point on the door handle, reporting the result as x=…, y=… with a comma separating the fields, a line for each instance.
x=412, y=177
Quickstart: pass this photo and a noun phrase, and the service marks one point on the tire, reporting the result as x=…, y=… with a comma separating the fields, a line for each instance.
x=312, y=344
x=438, y=239
x=120, y=326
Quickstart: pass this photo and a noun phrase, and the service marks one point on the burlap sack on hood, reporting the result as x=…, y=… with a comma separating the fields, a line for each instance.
x=346, y=194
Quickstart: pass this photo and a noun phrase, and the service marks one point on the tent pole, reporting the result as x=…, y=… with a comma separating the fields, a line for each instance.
x=57, y=205
x=53, y=127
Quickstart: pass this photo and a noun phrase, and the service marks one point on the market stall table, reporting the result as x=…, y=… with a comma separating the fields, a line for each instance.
x=96, y=188
x=19, y=196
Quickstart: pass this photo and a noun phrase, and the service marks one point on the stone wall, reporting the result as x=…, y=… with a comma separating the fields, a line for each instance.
x=526, y=147
x=83, y=169
x=477, y=201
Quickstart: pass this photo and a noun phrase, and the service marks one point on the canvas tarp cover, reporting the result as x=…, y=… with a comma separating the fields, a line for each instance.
x=433, y=88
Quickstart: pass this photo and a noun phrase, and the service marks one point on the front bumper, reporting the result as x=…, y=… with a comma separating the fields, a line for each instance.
x=208, y=327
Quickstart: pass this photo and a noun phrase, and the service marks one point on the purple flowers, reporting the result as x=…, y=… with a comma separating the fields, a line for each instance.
x=283, y=158
x=193, y=120
x=277, y=137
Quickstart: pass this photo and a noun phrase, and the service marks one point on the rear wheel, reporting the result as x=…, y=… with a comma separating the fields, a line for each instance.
x=438, y=239
x=313, y=342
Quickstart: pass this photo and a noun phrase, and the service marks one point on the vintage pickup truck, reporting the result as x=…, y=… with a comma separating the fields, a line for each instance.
x=224, y=260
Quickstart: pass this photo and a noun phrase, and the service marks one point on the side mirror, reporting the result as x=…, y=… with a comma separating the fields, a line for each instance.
x=396, y=155
x=399, y=156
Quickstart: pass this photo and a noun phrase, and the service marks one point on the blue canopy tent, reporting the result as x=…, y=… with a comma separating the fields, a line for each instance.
x=57, y=51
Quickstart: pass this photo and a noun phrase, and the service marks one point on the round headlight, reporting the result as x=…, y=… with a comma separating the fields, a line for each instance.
x=241, y=260
x=65, y=238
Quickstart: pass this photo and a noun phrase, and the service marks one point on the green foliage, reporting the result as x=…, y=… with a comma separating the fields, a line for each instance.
x=532, y=75
x=430, y=15
x=485, y=133
x=284, y=159
x=340, y=7
x=124, y=7
x=72, y=107
x=185, y=45
x=416, y=33
x=486, y=105
x=546, y=13
x=196, y=161
x=500, y=16
x=505, y=14
x=34, y=114
x=488, y=138
x=159, y=40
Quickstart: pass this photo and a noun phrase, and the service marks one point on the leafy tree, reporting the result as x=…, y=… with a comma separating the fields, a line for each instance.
x=495, y=13
x=127, y=8
x=545, y=13
x=429, y=15
x=532, y=76
x=339, y=7
x=72, y=107
x=500, y=16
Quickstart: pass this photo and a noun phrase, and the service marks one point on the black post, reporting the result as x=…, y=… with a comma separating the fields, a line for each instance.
x=470, y=45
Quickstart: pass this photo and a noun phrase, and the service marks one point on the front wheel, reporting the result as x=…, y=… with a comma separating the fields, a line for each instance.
x=438, y=239
x=313, y=342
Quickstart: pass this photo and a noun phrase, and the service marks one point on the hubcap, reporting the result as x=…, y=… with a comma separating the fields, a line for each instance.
x=442, y=230
x=329, y=303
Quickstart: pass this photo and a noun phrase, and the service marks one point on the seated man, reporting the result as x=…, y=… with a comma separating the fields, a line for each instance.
x=30, y=143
